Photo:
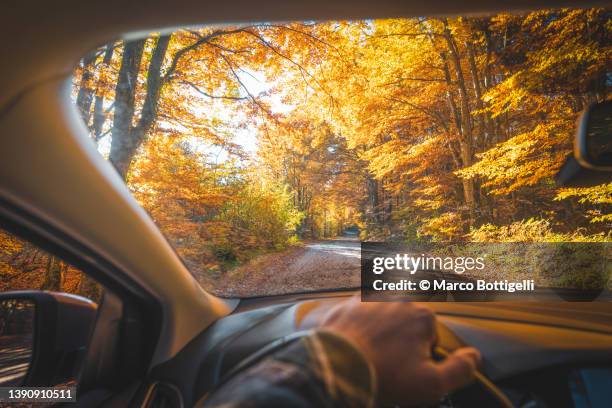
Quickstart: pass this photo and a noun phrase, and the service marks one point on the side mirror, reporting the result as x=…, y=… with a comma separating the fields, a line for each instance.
x=593, y=141
x=43, y=337
x=591, y=163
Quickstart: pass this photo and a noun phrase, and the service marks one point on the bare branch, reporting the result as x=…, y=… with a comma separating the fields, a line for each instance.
x=214, y=44
x=435, y=115
x=202, y=40
x=411, y=35
x=299, y=66
x=200, y=91
x=401, y=80
x=251, y=96
x=310, y=36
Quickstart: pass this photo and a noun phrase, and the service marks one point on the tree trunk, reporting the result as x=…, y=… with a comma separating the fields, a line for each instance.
x=372, y=189
x=452, y=105
x=154, y=86
x=86, y=92
x=466, y=121
x=122, y=147
x=99, y=116
x=127, y=139
x=54, y=275
x=477, y=92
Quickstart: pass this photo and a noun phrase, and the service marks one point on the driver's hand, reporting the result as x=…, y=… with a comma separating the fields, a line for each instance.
x=397, y=339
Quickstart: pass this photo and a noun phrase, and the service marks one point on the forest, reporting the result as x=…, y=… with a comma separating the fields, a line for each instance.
x=242, y=140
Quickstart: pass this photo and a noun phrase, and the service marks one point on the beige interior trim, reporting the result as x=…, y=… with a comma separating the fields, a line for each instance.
x=50, y=168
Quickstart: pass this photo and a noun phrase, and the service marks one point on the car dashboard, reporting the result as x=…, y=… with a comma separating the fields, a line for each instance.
x=539, y=355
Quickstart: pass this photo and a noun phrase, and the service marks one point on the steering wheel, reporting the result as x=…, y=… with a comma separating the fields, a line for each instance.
x=485, y=384
x=438, y=353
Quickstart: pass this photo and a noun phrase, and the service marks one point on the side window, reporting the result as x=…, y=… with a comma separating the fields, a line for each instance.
x=24, y=266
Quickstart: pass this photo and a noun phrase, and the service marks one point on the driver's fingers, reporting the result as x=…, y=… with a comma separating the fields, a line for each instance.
x=424, y=322
x=458, y=368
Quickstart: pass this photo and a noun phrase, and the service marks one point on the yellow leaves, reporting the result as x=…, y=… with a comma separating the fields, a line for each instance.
x=384, y=159
x=364, y=122
x=597, y=195
x=523, y=160
x=9, y=244
x=445, y=227
x=265, y=212
x=530, y=230
x=508, y=96
x=212, y=212
x=601, y=194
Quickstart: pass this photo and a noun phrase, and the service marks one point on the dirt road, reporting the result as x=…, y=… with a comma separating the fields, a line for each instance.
x=317, y=265
x=15, y=356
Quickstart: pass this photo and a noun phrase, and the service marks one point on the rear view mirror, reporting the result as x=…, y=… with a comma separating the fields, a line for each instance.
x=43, y=337
x=591, y=164
x=593, y=142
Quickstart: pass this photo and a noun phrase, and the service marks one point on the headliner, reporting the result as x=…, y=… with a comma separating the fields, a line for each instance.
x=44, y=39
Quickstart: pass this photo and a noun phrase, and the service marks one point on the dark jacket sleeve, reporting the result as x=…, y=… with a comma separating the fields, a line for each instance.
x=318, y=370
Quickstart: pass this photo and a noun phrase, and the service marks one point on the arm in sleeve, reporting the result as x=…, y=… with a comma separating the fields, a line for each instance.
x=318, y=370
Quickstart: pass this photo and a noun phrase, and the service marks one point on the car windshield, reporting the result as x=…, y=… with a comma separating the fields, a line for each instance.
x=267, y=152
